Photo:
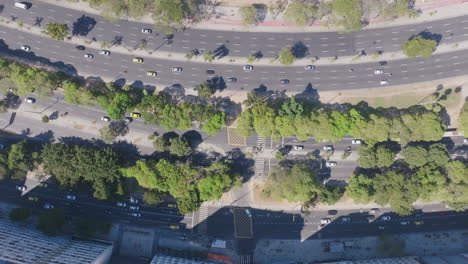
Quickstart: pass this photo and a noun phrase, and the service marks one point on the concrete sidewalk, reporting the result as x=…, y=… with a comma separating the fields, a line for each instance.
x=228, y=19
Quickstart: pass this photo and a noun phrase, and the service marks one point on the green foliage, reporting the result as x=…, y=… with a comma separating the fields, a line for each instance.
x=98, y=167
x=248, y=15
x=216, y=181
x=179, y=146
x=349, y=13
x=120, y=103
x=145, y=173
x=399, y=8
x=214, y=124
x=396, y=189
x=20, y=159
x=45, y=119
x=51, y=221
x=209, y=56
x=418, y=155
x=299, y=13
x=286, y=57
x=419, y=47
x=457, y=172
x=360, y=188
x=56, y=31
x=296, y=184
x=170, y=14
x=20, y=214
x=107, y=134
x=204, y=90
x=153, y=197
x=159, y=110
x=463, y=119
x=330, y=194
x=376, y=156
x=279, y=155
x=161, y=143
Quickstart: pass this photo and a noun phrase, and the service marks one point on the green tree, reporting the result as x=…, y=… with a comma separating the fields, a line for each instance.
x=349, y=13
x=217, y=179
x=457, y=172
x=120, y=103
x=415, y=156
x=20, y=214
x=56, y=31
x=360, y=188
x=299, y=13
x=179, y=146
x=377, y=156
x=146, y=174
x=213, y=125
x=107, y=135
x=286, y=57
x=396, y=189
x=161, y=143
x=20, y=159
x=419, y=47
x=250, y=59
x=153, y=197
x=51, y=221
x=45, y=119
x=169, y=14
x=248, y=15
x=463, y=119
x=204, y=90
x=330, y=194
x=209, y=56
x=296, y=184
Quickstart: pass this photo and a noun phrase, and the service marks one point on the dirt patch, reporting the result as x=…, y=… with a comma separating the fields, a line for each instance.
x=79, y=127
x=259, y=199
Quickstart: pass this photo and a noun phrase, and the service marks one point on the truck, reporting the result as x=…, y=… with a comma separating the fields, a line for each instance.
x=22, y=5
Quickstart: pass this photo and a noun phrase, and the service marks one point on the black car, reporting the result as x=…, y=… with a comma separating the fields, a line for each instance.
x=332, y=212
x=284, y=81
x=231, y=80
x=210, y=72
x=80, y=47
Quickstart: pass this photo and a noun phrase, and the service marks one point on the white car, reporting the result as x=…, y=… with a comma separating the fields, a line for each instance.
x=104, y=52
x=25, y=48
x=328, y=147
x=345, y=219
x=136, y=214
x=310, y=67
x=133, y=200
x=356, y=141
x=378, y=71
x=30, y=100
x=177, y=69
x=374, y=210
x=325, y=221
x=404, y=223
x=146, y=31
x=134, y=207
x=71, y=197
x=21, y=188
x=465, y=140
x=386, y=218
x=248, y=68
x=331, y=163
x=48, y=206
x=384, y=82
x=121, y=204
x=247, y=211
x=105, y=119
x=88, y=56
x=298, y=147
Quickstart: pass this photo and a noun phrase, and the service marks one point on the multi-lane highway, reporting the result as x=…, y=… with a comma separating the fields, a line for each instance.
x=241, y=44
x=332, y=77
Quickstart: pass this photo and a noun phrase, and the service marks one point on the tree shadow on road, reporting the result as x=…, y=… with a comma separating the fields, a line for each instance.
x=83, y=25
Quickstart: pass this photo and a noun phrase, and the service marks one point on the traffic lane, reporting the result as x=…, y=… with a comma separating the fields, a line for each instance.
x=330, y=77
x=342, y=171
x=245, y=43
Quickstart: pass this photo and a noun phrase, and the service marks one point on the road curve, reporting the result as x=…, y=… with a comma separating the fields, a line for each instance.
x=324, y=78
x=239, y=44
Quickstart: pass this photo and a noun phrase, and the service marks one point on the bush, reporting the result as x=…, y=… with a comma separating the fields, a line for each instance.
x=419, y=47
x=45, y=119
x=20, y=214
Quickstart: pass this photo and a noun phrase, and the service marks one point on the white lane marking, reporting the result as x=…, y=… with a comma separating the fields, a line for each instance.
x=219, y=36
x=236, y=37
x=132, y=34
x=323, y=45
x=69, y=15
x=395, y=32
x=203, y=36
x=115, y=31
x=323, y=38
x=271, y=38
x=21, y=37
x=51, y=10
x=186, y=34
x=117, y=25
x=448, y=24
x=184, y=47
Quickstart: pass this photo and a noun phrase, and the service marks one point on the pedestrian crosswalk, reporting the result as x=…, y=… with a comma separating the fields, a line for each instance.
x=260, y=162
x=245, y=259
x=202, y=226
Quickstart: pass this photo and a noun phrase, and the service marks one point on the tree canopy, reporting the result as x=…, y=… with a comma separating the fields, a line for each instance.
x=299, y=12
x=419, y=47
x=348, y=13
x=56, y=31
x=286, y=57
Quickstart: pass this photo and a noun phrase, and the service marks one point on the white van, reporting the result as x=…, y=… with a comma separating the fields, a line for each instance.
x=22, y=5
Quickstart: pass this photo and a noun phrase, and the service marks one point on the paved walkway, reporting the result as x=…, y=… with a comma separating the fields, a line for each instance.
x=227, y=18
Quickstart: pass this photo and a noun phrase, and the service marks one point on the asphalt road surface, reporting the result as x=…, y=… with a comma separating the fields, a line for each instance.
x=243, y=44
x=335, y=77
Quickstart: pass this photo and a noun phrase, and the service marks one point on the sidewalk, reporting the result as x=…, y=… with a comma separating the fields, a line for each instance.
x=228, y=19
x=266, y=61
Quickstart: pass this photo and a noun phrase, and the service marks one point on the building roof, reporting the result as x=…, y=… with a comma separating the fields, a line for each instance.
x=162, y=259
x=19, y=244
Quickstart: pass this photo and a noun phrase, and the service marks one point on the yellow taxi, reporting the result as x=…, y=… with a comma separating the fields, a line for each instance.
x=135, y=115
x=138, y=60
x=172, y=205
x=151, y=73
x=174, y=227
x=33, y=198
x=418, y=222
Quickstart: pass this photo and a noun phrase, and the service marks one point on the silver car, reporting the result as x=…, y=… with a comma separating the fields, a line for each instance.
x=88, y=56
x=25, y=48
x=384, y=82
x=378, y=71
x=248, y=68
x=104, y=52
